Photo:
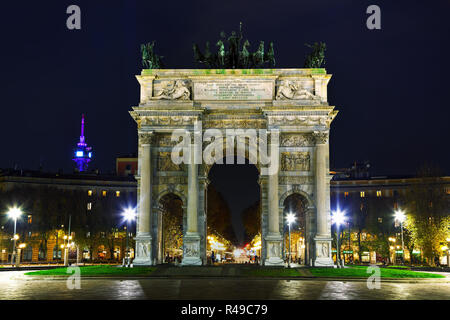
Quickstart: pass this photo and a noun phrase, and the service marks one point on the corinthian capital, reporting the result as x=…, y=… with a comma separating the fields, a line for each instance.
x=145, y=138
x=320, y=137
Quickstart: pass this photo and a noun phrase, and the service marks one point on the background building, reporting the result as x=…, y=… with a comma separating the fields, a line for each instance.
x=92, y=202
x=371, y=233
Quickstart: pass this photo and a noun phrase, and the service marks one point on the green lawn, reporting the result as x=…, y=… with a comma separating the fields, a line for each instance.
x=359, y=271
x=96, y=271
x=354, y=271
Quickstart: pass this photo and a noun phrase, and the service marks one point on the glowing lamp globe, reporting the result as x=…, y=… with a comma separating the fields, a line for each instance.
x=400, y=215
x=290, y=218
x=14, y=213
x=129, y=214
x=338, y=217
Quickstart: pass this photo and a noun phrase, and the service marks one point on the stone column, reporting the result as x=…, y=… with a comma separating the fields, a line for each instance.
x=144, y=223
x=323, y=238
x=191, y=240
x=146, y=83
x=273, y=238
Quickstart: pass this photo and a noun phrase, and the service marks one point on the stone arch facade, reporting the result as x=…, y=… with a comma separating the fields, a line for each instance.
x=235, y=99
x=292, y=191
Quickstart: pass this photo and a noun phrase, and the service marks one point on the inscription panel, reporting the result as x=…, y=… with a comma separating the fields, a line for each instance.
x=234, y=90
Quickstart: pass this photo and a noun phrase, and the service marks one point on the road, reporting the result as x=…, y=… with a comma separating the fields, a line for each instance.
x=14, y=285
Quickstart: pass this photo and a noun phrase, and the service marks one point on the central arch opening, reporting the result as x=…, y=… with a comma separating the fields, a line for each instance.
x=233, y=212
x=170, y=220
x=296, y=246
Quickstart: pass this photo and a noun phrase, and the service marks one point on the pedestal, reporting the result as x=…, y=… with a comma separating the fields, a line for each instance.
x=323, y=253
x=143, y=251
x=273, y=256
x=191, y=252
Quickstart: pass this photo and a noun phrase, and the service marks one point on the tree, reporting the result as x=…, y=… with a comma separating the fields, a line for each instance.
x=219, y=215
x=409, y=239
x=251, y=218
x=380, y=223
x=172, y=222
x=428, y=211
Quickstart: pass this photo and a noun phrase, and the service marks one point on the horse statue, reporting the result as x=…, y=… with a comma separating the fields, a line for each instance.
x=150, y=60
x=258, y=56
x=270, y=56
x=316, y=59
x=245, y=54
x=221, y=52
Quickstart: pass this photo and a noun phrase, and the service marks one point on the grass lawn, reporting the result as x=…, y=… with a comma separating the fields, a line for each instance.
x=96, y=271
x=270, y=272
x=359, y=271
x=399, y=267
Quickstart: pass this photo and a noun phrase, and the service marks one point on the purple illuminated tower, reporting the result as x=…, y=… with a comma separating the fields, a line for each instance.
x=83, y=153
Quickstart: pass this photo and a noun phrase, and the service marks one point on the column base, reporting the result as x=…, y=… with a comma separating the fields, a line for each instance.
x=143, y=251
x=322, y=256
x=191, y=250
x=191, y=261
x=274, y=261
x=273, y=257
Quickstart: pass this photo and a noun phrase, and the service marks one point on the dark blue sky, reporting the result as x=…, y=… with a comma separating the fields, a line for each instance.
x=390, y=85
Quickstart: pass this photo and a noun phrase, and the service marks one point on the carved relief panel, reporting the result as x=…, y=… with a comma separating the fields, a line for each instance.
x=165, y=163
x=297, y=140
x=172, y=90
x=295, y=161
x=295, y=90
x=191, y=249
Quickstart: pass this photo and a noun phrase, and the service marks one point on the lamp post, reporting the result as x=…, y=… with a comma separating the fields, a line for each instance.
x=66, y=250
x=128, y=215
x=338, y=218
x=392, y=247
x=290, y=218
x=400, y=216
x=21, y=246
x=14, y=213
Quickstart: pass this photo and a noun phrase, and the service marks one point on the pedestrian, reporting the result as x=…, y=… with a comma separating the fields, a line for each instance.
x=436, y=261
x=213, y=258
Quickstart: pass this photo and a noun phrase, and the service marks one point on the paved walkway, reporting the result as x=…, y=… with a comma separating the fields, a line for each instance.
x=14, y=285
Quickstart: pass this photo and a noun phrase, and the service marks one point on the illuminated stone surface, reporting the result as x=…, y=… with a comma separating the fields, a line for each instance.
x=290, y=102
x=234, y=289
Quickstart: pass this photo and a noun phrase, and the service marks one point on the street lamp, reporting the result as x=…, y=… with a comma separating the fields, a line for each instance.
x=129, y=215
x=338, y=218
x=290, y=218
x=14, y=213
x=21, y=247
x=401, y=217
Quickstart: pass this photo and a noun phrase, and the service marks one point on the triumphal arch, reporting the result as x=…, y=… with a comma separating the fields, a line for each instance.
x=289, y=105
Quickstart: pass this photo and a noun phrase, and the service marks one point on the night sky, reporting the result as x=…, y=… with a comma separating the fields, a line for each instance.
x=390, y=85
